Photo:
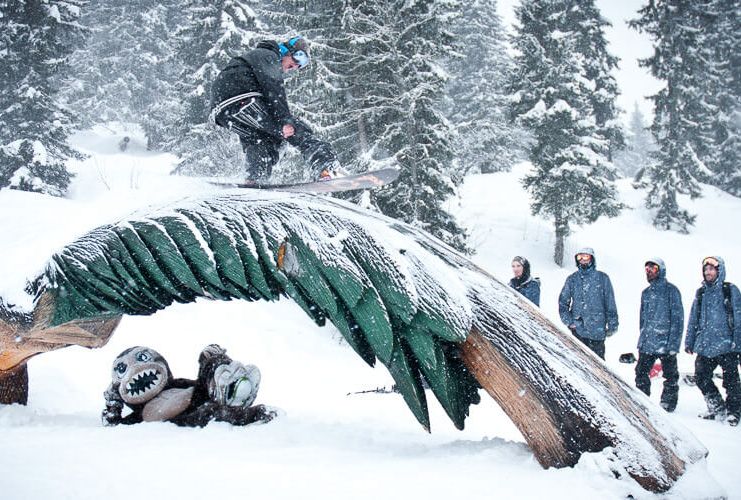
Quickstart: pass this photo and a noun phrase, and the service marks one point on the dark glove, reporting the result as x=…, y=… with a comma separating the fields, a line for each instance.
x=112, y=414
x=113, y=407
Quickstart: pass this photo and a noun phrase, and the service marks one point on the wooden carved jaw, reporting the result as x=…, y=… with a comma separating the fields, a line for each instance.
x=21, y=338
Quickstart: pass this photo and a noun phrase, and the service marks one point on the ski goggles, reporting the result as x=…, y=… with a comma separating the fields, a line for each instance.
x=710, y=261
x=652, y=266
x=583, y=256
x=301, y=58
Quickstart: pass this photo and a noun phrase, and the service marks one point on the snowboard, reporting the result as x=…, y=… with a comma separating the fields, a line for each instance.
x=366, y=180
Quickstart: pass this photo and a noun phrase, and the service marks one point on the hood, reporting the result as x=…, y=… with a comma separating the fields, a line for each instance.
x=721, y=269
x=659, y=262
x=525, y=269
x=590, y=251
x=270, y=45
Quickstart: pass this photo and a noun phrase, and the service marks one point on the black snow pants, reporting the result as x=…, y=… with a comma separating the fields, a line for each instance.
x=670, y=394
x=596, y=346
x=261, y=138
x=704, y=377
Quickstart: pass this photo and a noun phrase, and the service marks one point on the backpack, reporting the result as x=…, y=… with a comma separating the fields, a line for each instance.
x=726, y=302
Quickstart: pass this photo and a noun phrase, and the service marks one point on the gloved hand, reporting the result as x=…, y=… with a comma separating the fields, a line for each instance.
x=111, y=415
x=234, y=384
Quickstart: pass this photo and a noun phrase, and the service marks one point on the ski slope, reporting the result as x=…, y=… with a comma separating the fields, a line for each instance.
x=325, y=444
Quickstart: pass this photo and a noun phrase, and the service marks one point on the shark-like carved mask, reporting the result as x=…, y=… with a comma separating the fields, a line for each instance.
x=141, y=374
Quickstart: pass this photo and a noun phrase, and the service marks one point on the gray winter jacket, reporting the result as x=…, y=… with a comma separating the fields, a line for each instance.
x=587, y=301
x=708, y=331
x=662, y=316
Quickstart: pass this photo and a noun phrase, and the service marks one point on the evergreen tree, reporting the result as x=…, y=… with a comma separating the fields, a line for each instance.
x=682, y=116
x=122, y=70
x=413, y=127
x=639, y=147
x=376, y=89
x=570, y=182
x=212, y=32
x=724, y=58
x=36, y=38
x=589, y=26
x=486, y=140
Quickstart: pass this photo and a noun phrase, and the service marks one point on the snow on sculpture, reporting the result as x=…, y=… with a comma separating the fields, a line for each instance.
x=395, y=293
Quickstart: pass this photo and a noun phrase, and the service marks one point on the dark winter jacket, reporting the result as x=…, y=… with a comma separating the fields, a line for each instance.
x=530, y=288
x=662, y=316
x=587, y=301
x=708, y=331
x=259, y=70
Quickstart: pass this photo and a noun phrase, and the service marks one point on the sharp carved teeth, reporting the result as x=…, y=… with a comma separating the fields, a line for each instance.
x=142, y=382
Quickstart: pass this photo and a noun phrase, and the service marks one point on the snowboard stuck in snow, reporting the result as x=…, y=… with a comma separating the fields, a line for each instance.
x=366, y=180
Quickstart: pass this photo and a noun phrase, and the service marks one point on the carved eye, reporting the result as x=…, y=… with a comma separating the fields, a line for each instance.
x=120, y=368
x=143, y=356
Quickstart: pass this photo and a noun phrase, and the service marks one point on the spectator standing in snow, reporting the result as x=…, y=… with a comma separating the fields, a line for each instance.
x=523, y=282
x=587, y=303
x=714, y=335
x=661, y=324
x=248, y=98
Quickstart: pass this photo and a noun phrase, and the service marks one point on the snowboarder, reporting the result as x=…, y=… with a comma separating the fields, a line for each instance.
x=248, y=98
x=523, y=282
x=714, y=334
x=587, y=303
x=661, y=324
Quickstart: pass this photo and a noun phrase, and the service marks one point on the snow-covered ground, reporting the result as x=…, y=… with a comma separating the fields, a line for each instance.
x=326, y=443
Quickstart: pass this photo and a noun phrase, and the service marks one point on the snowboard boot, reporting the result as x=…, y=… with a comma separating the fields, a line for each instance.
x=732, y=420
x=711, y=415
x=668, y=407
x=716, y=408
x=332, y=170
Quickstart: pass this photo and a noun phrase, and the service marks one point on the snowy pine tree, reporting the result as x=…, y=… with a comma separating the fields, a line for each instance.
x=36, y=37
x=412, y=127
x=681, y=114
x=376, y=87
x=639, y=146
x=211, y=33
x=588, y=24
x=723, y=39
x=122, y=71
x=486, y=140
x=570, y=182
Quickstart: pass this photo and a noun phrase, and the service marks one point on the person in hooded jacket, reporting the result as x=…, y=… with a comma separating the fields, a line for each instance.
x=586, y=303
x=523, y=282
x=661, y=325
x=248, y=98
x=714, y=335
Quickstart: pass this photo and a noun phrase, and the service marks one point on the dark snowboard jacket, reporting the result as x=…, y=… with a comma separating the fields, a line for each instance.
x=708, y=331
x=530, y=288
x=662, y=316
x=259, y=70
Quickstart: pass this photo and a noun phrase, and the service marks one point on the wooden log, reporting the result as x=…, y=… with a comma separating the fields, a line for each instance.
x=14, y=385
x=566, y=402
x=21, y=340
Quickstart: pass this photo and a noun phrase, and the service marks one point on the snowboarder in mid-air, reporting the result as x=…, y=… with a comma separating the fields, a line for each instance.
x=248, y=98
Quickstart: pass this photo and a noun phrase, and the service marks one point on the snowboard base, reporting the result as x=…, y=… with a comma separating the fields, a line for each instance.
x=367, y=180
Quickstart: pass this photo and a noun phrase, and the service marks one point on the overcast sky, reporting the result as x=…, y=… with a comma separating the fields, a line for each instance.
x=635, y=83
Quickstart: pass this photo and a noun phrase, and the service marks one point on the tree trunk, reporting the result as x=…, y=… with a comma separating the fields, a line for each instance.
x=362, y=135
x=14, y=385
x=562, y=230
